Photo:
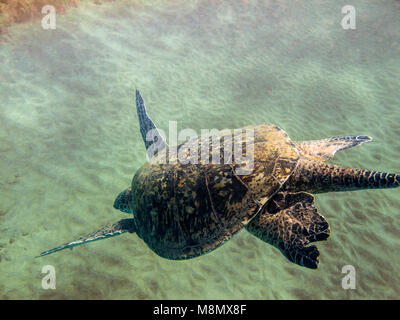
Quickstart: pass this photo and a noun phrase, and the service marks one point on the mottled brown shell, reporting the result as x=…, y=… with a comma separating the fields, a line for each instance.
x=185, y=210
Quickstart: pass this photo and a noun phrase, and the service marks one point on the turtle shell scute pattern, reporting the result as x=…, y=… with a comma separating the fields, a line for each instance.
x=185, y=210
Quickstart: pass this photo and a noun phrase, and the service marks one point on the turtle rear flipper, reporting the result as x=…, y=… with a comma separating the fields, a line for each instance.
x=326, y=148
x=290, y=222
x=111, y=230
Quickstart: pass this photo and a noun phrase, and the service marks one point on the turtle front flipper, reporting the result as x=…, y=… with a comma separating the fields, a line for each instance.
x=111, y=230
x=326, y=148
x=152, y=137
x=290, y=222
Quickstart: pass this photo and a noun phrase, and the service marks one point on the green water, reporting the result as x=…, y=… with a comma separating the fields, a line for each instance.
x=70, y=141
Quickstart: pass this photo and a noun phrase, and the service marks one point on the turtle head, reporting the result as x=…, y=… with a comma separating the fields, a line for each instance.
x=123, y=202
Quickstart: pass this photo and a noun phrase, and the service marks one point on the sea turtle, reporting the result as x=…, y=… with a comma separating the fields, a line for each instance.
x=184, y=209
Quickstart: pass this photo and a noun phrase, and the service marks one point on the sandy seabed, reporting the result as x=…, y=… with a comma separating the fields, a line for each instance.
x=70, y=140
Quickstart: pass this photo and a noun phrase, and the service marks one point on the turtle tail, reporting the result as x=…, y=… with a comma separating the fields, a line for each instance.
x=317, y=176
x=111, y=230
